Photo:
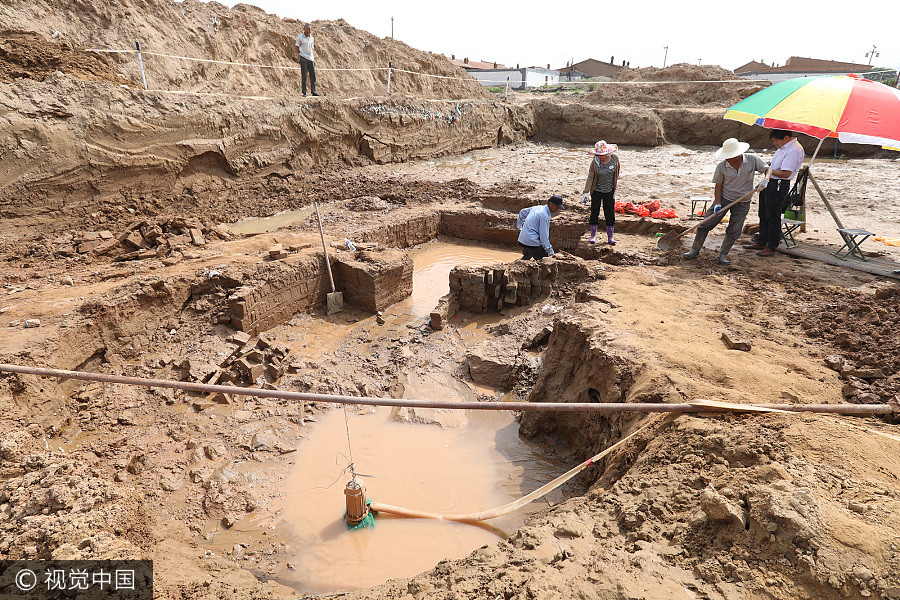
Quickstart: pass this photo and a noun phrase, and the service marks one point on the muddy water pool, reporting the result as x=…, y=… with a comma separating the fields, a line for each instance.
x=478, y=466
x=284, y=219
x=473, y=461
x=432, y=264
x=310, y=335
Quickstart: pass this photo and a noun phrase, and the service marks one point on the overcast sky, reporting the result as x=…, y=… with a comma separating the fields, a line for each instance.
x=724, y=33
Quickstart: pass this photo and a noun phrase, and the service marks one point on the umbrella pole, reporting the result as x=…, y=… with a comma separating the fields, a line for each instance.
x=809, y=166
x=818, y=189
x=827, y=203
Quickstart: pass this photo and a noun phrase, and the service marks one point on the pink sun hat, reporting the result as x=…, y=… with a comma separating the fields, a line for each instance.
x=601, y=148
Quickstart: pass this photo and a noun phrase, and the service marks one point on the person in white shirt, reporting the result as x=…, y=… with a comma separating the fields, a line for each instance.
x=304, y=45
x=787, y=161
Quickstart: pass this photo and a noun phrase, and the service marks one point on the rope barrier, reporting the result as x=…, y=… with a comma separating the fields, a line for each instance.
x=349, y=69
x=232, y=63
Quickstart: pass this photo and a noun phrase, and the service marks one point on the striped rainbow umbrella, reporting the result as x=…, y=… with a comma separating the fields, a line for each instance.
x=854, y=110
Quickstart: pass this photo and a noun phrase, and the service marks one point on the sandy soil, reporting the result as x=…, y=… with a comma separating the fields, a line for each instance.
x=765, y=506
x=170, y=471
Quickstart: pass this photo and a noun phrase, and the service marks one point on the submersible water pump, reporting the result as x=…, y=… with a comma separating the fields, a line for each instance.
x=357, y=513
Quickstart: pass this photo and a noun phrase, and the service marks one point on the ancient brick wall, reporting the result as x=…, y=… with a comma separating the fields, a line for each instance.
x=403, y=234
x=374, y=280
x=490, y=289
x=285, y=288
x=500, y=227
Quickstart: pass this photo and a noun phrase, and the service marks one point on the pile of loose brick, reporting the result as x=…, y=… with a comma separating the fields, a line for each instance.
x=149, y=238
x=255, y=361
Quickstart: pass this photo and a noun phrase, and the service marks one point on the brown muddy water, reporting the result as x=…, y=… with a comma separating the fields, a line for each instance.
x=432, y=263
x=471, y=461
x=313, y=335
x=478, y=466
x=277, y=221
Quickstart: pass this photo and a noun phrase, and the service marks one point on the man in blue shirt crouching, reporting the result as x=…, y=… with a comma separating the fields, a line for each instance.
x=535, y=235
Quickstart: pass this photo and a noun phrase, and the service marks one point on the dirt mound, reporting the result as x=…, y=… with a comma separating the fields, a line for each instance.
x=698, y=93
x=241, y=34
x=29, y=55
x=676, y=72
x=860, y=328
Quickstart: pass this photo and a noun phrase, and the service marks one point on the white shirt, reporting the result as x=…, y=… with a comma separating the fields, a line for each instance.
x=305, y=46
x=788, y=158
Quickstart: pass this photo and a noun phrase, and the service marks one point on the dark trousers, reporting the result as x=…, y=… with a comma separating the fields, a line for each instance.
x=771, y=204
x=608, y=200
x=535, y=252
x=307, y=66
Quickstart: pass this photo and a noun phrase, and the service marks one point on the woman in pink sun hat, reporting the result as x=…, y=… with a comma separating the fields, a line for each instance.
x=600, y=188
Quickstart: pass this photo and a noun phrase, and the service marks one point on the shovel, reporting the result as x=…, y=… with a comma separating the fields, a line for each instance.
x=334, y=302
x=667, y=243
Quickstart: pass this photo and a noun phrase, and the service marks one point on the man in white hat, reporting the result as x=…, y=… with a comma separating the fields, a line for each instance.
x=733, y=179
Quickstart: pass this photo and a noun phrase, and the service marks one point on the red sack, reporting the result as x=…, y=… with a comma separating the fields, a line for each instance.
x=669, y=213
x=657, y=214
x=620, y=207
x=652, y=206
x=630, y=208
x=643, y=212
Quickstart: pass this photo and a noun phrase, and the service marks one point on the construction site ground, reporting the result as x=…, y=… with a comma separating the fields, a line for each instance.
x=157, y=476
x=151, y=236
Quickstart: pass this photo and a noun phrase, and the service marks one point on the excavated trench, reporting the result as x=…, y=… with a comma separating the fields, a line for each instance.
x=259, y=484
x=436, y=460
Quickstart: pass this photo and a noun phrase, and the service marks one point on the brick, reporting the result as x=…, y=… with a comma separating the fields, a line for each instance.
x=135, y=239
x=239, y=338
x=732, y=340
x=197, y=237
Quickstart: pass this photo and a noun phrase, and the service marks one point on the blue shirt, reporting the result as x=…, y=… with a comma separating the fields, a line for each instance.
x=522, y=214
x=536, y=228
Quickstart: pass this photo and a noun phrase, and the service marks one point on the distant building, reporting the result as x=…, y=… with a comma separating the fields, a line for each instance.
x=496, y=75
x=467, y=64
x=592, y=68
x=799, y=66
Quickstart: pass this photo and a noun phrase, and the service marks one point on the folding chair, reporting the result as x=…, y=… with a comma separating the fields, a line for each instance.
x=788, y=227
x=853, y=239
x=793, y=208
x=695, y=200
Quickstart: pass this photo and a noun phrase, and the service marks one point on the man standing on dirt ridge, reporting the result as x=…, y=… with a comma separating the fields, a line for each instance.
x=785, y=164
x=535, y=235
x=733, y=178
x=304, y=45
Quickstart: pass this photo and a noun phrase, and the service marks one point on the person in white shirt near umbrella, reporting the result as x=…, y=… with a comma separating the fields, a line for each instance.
x=787, y=161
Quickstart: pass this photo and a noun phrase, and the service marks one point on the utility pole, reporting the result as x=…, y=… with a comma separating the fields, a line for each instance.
x=698, y=62
x=392, y=27
x=872, y=53
x=665, y=56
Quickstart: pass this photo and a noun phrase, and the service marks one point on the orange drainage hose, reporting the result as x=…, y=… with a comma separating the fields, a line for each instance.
x=516, y=504
x=604, y=407
x=708, y=406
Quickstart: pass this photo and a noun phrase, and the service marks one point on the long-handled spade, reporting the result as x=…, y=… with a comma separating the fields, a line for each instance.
x=670, y=241
x=334, y=302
